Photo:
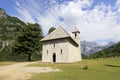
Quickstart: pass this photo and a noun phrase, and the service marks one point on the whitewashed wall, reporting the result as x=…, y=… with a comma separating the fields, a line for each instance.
x=59, y=44
x=70, y=53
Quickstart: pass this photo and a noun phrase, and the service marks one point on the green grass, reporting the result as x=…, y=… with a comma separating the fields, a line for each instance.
x=5, y=63
x=98, y=69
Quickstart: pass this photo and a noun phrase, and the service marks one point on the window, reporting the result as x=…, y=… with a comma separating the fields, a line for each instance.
x=54, y=44
x=75, y=35
x=47, y=52
x=61, y=51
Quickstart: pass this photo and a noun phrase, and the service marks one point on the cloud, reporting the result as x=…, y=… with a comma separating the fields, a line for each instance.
x=99, y=22
x=23, y=12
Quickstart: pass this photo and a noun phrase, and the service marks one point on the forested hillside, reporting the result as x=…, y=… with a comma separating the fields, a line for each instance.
x=108, y=52
x=9, y=28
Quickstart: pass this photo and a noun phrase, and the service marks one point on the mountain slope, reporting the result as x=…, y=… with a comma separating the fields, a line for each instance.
x=113, y=50
x=3, y=14
x=9, y=26
x=108, y=52
x=88, y=47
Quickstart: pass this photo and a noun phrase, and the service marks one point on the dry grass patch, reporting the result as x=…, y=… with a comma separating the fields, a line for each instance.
x=6, y=63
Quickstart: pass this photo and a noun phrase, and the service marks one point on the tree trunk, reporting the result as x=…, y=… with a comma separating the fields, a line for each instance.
x=29, y=57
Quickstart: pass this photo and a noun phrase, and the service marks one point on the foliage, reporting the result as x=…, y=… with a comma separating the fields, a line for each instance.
x=9, y=27
x=51, y=30
x=84, y=56
x=108, y=52
x=5, y=54
x=28, y=40
x=98, y=69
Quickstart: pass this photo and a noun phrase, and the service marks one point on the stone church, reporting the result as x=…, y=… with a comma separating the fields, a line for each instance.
x=60, y=47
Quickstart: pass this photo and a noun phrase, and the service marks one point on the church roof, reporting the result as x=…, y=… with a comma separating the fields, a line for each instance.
x=58, y=33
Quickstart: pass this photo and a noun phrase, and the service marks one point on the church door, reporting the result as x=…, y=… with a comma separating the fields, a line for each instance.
x=54, y=57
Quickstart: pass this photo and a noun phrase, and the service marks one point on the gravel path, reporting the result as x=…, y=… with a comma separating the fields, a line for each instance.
x=18, y=71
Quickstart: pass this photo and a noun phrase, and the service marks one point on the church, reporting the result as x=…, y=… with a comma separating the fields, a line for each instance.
x=60, y=47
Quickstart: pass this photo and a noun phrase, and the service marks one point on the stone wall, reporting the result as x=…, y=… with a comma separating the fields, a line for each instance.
x=74, y=53
x=55, y=46
x=70, y=53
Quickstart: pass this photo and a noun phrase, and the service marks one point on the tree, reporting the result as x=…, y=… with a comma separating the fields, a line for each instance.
x=102, y=54
x=28, y=40
x=51, y=30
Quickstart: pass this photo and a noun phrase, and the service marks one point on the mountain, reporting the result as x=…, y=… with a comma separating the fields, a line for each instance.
x=110, y=44
x=3, y=14
x=9, y=26
x=111, y=51
x=88, y=47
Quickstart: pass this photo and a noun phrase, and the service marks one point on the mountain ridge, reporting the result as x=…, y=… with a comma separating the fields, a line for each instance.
x=3, y=14
x=90, y=47
x=9, y=27
x=111, y=51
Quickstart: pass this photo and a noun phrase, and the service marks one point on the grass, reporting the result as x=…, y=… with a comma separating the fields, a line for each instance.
x=98, y=69
x=5, y=63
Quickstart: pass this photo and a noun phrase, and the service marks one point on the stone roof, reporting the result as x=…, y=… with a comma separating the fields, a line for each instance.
x=75, y=30
x=58, y=33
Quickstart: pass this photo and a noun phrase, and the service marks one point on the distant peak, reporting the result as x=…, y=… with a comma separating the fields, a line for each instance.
x=1, y=9
x=2, y=13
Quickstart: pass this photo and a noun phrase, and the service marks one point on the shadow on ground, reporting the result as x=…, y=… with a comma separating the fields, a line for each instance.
x=112, y=65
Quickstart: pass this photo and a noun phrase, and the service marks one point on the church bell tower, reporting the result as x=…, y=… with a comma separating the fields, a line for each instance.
x=76, y=35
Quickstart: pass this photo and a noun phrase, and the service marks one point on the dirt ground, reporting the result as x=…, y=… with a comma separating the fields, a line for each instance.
x=19, y=71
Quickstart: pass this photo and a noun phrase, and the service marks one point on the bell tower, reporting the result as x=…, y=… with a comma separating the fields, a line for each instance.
x=76, y=35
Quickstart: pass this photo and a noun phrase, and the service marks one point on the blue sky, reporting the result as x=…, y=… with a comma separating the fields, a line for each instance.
x=97, y=20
